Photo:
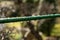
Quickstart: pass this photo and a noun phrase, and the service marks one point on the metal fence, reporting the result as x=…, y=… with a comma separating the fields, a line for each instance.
x=16, y=19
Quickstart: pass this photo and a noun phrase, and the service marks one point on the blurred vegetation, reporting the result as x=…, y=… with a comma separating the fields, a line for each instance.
x=10, y=34
x=13, y=31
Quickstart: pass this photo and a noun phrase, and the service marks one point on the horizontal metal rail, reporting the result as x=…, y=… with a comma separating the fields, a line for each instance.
x=28, y=18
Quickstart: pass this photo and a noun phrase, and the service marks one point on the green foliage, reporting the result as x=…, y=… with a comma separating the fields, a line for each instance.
x=56, y=30
x=10, y=34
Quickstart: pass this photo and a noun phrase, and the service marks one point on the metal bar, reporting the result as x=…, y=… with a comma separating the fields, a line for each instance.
x=28, y=18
